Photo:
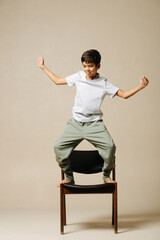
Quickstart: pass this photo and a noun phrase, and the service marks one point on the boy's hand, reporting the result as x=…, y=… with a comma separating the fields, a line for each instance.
x=143, y=82
x=40, y=62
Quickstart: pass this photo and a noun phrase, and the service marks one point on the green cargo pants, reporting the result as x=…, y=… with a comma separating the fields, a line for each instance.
x=94, y=132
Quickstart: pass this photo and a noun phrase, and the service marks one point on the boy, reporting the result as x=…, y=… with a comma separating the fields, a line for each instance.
x=87, y=120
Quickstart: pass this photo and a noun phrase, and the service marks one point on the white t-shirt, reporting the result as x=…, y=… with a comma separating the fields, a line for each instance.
x=89, y=96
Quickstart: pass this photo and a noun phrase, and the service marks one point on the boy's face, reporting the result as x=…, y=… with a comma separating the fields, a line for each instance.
x=90, y=69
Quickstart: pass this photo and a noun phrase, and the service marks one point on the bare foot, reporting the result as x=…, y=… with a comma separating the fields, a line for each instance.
x=109, y=180
x=65, y=181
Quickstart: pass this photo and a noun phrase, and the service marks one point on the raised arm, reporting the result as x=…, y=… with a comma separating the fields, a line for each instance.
x=57, y=80
x=126, y=94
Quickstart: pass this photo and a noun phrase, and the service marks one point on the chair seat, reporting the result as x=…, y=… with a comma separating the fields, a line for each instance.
x=98, y=188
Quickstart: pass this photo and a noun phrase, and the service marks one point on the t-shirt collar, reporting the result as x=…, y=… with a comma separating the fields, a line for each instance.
x=96, y=77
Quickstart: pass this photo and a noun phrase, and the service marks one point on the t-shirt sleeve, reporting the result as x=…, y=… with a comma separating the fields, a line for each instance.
x=71, y=80
x=111, y=89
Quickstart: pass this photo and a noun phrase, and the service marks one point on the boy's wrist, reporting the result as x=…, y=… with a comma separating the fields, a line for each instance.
x=42, y=67
x=140, y=87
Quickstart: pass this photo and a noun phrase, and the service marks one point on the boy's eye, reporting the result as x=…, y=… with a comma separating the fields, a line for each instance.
x=88, y=66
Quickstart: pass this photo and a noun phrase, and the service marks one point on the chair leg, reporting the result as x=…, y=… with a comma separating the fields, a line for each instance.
x=112, y=208
x=62, y=209
x=115, y=210
x=114, y=178
x=64, y=214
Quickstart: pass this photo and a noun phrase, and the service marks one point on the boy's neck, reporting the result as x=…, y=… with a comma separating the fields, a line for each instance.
x=91, y=78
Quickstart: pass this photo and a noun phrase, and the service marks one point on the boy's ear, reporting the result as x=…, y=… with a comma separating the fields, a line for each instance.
x=98, y=66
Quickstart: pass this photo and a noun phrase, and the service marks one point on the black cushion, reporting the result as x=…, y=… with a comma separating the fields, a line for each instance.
x=99, y=188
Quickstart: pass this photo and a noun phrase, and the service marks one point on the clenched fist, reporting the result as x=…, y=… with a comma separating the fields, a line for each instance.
x=40, y=62
x=144, y=81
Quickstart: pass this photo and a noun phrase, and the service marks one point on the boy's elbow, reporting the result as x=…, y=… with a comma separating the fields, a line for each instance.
x=126, y=97
x=60, y=81
x=57, y=83
x=122, y=94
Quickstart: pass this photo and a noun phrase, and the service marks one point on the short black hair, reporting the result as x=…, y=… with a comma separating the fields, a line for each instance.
x=91, y=56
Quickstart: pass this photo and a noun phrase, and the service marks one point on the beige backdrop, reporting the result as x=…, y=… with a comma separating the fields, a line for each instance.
x=34, y=111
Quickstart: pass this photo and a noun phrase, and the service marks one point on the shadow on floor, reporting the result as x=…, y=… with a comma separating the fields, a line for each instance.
x=126, y=223
x=136, y=221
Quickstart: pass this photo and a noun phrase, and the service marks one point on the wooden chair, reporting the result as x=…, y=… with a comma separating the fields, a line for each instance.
x=87, y=162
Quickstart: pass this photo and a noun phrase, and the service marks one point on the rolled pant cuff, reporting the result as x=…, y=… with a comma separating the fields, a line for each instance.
x=67, y=177
x=106, y=177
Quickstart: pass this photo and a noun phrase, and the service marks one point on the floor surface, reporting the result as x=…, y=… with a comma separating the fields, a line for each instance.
x=44, y=225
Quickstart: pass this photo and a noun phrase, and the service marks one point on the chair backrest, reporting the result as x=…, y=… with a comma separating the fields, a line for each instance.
x=87, y=162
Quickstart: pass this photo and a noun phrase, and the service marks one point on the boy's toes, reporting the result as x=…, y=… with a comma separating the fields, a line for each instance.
x=109, y=180
x=65, y=181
